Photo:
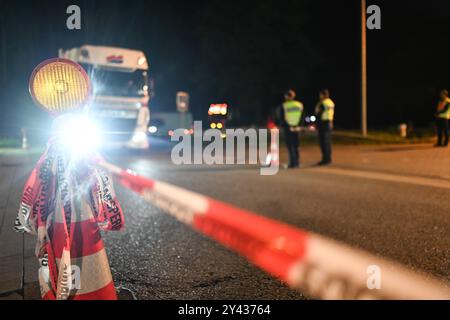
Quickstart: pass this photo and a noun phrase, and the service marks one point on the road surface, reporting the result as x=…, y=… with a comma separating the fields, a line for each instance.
x=392, y=201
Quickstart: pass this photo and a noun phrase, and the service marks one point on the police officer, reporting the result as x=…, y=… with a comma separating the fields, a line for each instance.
x=291, y=115
x=325, y=115
x=442, y=119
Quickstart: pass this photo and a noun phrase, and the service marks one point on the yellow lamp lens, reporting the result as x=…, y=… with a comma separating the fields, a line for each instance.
x=59, y=85
x=212, y=125
x=219, y=125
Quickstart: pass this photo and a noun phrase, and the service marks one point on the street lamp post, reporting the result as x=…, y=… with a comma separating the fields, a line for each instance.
x=363, y=70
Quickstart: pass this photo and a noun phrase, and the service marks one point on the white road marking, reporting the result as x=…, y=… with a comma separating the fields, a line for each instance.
x=421, y=181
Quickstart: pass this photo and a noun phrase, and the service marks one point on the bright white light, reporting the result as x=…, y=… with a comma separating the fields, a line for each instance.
x=141, y=61
x=77, y=134
x=313, y=118
x=139, y=137
x=152, y=129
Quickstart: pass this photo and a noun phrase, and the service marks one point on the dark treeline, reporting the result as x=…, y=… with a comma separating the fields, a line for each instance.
x=245, y=53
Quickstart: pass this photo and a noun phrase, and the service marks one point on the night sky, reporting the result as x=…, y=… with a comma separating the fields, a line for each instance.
x=245, y=53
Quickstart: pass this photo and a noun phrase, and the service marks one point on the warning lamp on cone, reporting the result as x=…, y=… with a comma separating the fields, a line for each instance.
x=60, y=85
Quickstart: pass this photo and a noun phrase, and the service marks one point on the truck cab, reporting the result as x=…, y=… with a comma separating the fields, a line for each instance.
x=121, y=96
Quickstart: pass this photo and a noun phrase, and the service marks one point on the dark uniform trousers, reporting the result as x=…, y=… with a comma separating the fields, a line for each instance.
x=442, y=131
x=292, y=143
x=324, y=128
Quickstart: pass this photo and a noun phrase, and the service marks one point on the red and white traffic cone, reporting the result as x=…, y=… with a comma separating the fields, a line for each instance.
x=91, y=277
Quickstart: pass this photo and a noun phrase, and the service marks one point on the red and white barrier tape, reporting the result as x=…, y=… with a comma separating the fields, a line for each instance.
x=318, y=266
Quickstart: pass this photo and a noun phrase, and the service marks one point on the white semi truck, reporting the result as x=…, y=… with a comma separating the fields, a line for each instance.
x=120, y=92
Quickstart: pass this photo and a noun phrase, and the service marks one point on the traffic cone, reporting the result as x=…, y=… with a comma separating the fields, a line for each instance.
x=66, y=205
x=91, y=277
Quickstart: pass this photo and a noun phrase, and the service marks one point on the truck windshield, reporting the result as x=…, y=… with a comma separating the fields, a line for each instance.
x=114, y=82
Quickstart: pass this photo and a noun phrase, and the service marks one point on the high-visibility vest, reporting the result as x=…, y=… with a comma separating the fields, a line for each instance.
x=445, y=115
x=292, y=112
x=328, y=110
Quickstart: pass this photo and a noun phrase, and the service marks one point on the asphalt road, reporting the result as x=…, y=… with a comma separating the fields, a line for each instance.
x=159, y=258
x=389, y=200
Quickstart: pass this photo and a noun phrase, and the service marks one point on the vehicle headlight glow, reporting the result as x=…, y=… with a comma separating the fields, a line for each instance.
x=152, y=129
x=141, y=61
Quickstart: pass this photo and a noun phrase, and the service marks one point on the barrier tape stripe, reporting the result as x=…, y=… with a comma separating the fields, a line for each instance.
x=321, y=267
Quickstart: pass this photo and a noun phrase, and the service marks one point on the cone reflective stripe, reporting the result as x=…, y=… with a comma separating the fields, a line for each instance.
x=321, y=267
x=89, y=276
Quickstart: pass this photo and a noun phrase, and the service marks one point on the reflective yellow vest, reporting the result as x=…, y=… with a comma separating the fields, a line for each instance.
x=445, y=115
x=292, y=112
x=328, y=110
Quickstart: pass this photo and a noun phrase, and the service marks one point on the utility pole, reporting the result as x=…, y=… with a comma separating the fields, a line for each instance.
x=363, y=70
